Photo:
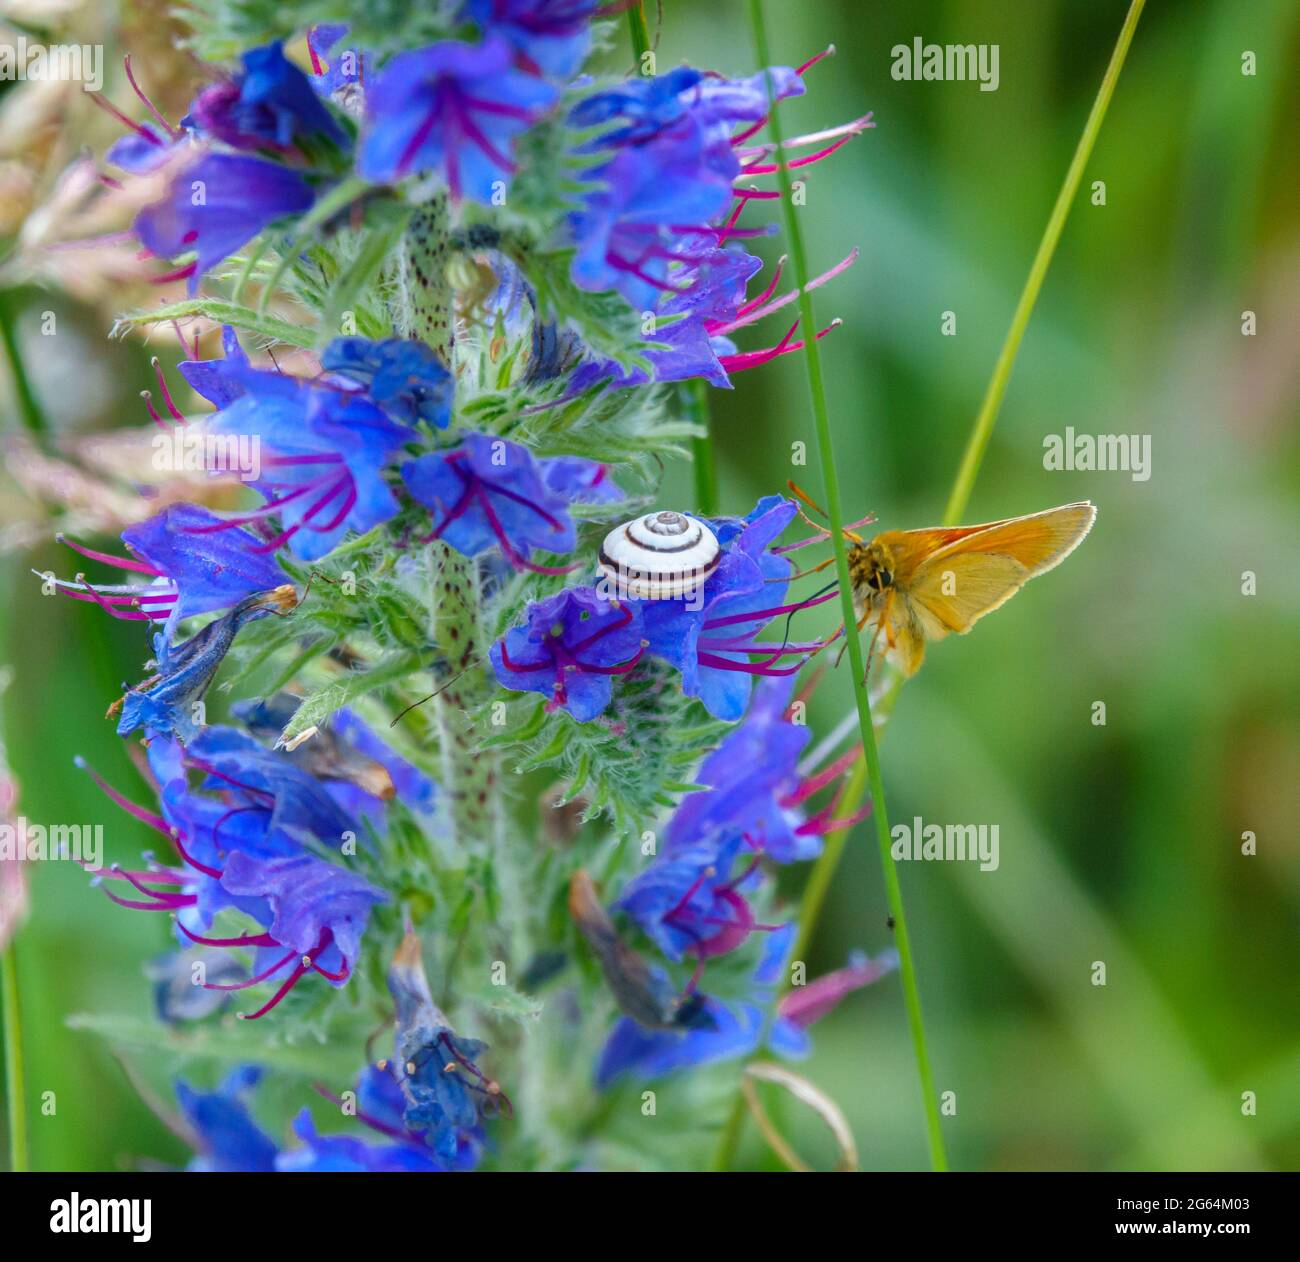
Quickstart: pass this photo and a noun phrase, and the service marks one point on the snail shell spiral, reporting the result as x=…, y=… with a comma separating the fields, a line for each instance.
x=661, y=556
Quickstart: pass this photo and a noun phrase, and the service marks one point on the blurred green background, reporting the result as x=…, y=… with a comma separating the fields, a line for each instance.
x=1119, y=843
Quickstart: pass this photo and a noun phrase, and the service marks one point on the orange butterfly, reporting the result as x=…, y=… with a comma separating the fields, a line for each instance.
x=918, y=585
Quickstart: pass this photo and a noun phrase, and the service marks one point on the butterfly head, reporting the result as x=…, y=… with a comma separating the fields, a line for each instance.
x=871, y=567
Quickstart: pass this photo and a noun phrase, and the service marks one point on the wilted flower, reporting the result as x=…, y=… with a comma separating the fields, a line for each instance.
x=165, y=702
x=444, y=1089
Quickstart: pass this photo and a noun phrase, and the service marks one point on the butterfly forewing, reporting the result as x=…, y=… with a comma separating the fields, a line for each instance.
x=1038, y=541
x=946, y=579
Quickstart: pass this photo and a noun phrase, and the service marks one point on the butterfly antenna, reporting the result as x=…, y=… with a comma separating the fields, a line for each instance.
x=800, y=494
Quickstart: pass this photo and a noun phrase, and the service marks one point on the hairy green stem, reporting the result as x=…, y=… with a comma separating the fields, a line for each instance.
x=997, y=388
x=15, y=1090
x=426, y=307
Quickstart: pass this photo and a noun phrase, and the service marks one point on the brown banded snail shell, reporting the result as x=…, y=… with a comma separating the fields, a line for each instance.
x=661, y=556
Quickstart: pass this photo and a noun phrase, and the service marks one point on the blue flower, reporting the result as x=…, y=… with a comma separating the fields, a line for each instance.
x=327, y=449
x=142, y=150
x=711, y=640
x=752, y=774
x=344, y=1153
x=734, y=1028
x=405, y=378
x=686, y=342
x=189, y=572
x=165, y=703
x=442, y=1086
x=568, y=648
x=550, y=36
x=348, y=69
x=642, y=990
x=217, y=204
x=220, y=381
x=688, y=903
x=314, y=914
x=725, y=1031
x=357, y=769
x=454, y=108
x=489, y=491
x=726, y=1034
x=628, y=232
x=648, y=105
x=228, y=1139
x=270, y=783
x=271, y=104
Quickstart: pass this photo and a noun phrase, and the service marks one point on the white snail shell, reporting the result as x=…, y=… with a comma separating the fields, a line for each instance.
x=660, y=556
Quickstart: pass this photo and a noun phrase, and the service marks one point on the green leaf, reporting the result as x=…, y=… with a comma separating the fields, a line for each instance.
x=223, y=313
x=319, y=705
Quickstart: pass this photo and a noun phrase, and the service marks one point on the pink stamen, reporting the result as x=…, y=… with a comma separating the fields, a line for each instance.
x=172, y=903
x=141, y=813
x=121, y=563
x=108, y=107
x=180, y=273
x=148, y=104
x=153, y=412
x=768, y=168
x=244, y=940
x=752, y=359
x=824, y=777
x=317, y=67
x=760, y=307
x=764, y=615
x=257, y=978
x=748, y=668
x=167, y=394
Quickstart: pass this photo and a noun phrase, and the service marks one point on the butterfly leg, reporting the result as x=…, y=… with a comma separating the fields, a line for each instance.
x=882, y=624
